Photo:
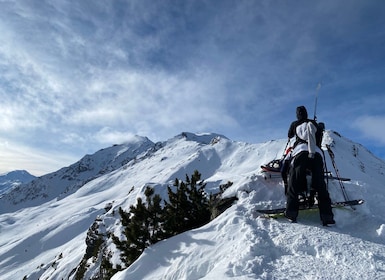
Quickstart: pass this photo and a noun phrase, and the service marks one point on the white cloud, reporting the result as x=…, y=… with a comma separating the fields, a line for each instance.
x=89, y=74
x=99, y=91
x=107, y=136
x=372, y=127
x=18, y=156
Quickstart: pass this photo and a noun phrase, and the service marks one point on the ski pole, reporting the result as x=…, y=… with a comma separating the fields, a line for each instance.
x=342, y=186
x=284, y=150
x=316, y=100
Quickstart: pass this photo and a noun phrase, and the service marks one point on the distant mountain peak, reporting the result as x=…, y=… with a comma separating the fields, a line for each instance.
x=14, y=178
x=203, y=138
x=21, y=175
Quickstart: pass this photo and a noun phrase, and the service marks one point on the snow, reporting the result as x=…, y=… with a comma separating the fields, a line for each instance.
x=13, y=179
x=45, y=237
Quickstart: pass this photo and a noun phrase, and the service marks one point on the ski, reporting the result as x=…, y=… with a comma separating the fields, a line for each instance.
x=329, y=175
x=276, y=175
x=338, y=204
x=337, y=178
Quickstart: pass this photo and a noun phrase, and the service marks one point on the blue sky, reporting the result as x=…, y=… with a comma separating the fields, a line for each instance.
x=78, y=76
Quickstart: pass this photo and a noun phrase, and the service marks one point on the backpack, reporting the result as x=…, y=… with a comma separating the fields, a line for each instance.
x=320, y=132
x=318, y=135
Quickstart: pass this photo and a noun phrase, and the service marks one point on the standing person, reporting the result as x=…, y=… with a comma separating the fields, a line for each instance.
x=306, y=155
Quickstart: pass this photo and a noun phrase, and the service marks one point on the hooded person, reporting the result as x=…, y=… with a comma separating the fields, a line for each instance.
x=306, y=155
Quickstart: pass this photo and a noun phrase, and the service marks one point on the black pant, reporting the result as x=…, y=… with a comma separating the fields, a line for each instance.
x=298, y=184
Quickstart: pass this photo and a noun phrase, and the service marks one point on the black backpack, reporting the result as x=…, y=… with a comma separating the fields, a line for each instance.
x=320, y=132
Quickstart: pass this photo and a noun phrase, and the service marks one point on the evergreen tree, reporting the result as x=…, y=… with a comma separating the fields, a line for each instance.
x=176, y=209
x=199, y=213
x=134, y=231
x=142, y=227
x=155, y=215
x=123, y=245
x=188, y=206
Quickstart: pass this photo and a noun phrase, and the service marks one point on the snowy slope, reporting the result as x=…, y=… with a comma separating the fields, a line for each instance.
x=13, y=179
x=69, y=179
x=43, y=231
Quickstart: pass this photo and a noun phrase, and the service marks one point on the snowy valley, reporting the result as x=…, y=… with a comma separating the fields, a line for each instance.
x=44, y=224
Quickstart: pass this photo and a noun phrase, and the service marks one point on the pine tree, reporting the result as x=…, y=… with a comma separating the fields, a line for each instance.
x=199, y=212
x=188, y=207
x=142, y=227
x=146, y=223
x=176, y=209
x=134, y=231
x=155, y=215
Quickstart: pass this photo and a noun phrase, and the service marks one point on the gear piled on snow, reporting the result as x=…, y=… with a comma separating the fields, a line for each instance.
x=273, y=166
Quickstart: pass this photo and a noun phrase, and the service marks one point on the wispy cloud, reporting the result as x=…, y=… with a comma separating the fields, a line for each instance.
x=371, y=127
x=76, y=75
x=16, y=156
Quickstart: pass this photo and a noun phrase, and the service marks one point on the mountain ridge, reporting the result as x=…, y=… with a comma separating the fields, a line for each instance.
x=56, y=226
x=73, y=177
x=14, y=178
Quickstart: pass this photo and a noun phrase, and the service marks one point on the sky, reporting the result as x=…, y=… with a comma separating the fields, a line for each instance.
x=79, y=76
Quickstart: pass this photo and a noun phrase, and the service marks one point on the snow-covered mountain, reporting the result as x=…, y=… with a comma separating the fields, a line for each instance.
x=13, y=179
x=45, y=225
x=67, y=180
